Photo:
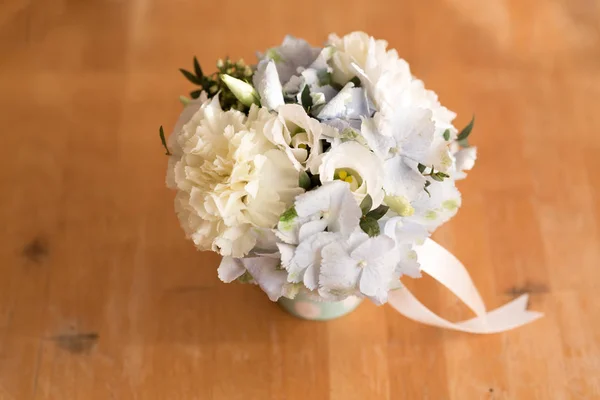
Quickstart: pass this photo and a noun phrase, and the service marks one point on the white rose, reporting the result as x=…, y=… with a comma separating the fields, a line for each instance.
x=232, y=182
x=357, y=165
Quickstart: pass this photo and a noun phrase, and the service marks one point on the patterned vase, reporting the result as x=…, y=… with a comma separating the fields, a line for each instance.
x=310, y=307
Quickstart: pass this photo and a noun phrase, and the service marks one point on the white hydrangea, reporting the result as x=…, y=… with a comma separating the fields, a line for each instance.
x=232, y=182
x=323, y=250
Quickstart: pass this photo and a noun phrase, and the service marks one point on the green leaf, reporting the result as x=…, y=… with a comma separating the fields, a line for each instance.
x=245, y=278
x=191, y=77
x=366, y=204
x=427, y=183
x=197, y=68
x=161, y=133
x=421, y=168
x=447, y=135
x=324, y=77
x=315, y=180
x=306, y=98
x=463, y=136
x=439, y=176
x=369, y=226
x=288, y=215
x=195, y=94
x=304, y=181
x=377, y=213
x=184, y=100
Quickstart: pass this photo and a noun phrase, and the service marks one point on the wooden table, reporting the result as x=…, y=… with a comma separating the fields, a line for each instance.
x=101, y=297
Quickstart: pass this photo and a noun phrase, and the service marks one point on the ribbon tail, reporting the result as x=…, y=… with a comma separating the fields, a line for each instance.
x=445, y=268
x=449, y=271
x=509, y=316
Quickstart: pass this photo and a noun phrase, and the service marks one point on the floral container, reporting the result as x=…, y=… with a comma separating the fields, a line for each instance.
x=313, y=308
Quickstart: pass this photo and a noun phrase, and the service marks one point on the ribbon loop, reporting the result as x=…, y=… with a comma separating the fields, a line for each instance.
x=444, y=267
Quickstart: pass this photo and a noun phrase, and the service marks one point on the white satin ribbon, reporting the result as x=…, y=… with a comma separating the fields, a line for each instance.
x=442, y=266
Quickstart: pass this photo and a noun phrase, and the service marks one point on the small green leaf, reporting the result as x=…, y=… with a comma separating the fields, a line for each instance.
x=161, y=133
x=315, y=180
x=369, y=226
x=377, y=213
x=184, y=100
x=304, y=180
x=366, y=204
x=421, y=168
x=306, y=98
x=324, y=77
x=245, y=278
x=463, y=136
x=439, y=176
x=191, y=77
x=288, y=215
x=197, y=68
x=447, y=135
x=195, y=94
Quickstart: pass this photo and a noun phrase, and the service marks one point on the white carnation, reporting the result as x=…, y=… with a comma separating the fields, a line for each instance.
x=232, y=182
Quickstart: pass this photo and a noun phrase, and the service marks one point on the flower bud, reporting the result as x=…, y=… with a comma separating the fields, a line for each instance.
x=243, y=91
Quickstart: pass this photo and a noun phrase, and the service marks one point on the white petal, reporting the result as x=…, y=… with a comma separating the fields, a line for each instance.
x=308, y=255
x=319, y=199
x=311, y=277
x=375, y=281
x=311, y=228
x=287, y=253
x=266, y=80
x=230, y=269
x=265, y=272
x=349, y=103
x=373, y=248
x=344, y=213
x=338, y=270
x=401, y=180
x=413, y=131
x=465, y=158
x=380, y=144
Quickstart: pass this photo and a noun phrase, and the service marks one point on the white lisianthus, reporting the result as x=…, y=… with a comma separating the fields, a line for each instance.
x=232, y=182
x=295, y=132
x=356, y=48
x=357, y=165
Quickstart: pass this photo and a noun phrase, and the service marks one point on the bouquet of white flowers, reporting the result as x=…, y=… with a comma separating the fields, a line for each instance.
x=318, y=170
x=322, y=172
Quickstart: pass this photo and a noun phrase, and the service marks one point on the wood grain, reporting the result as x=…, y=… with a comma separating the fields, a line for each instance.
x=101, y=297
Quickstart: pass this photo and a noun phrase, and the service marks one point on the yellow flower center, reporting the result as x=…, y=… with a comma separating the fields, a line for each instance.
x=350, y=176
